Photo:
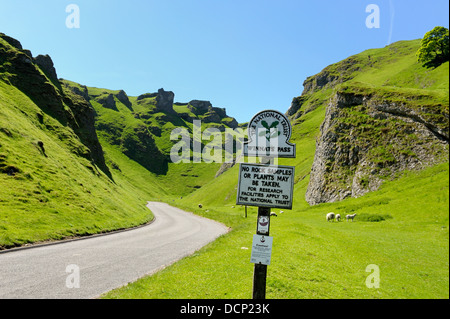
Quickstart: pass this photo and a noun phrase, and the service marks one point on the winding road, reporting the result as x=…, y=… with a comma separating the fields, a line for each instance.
x=87, y=268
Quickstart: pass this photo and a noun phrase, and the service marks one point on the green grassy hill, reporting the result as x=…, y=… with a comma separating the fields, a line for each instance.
x=136, y=131
x=71, y=166
x=51, y=187
x=402, y=227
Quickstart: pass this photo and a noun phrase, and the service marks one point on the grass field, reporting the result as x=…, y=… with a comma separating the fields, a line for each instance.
x=59, y=194
x=313, y=258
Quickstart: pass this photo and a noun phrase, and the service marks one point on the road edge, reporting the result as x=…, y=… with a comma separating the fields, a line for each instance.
x=68, y=240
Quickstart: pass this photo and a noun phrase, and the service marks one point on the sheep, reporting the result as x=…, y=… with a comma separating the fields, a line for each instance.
x=330, y=217
x=338, y=217
x=350, y=217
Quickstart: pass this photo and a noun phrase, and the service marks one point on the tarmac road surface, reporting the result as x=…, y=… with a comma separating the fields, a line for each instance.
x=102, y=263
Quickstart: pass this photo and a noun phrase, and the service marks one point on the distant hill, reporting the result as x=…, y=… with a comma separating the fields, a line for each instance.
x=76, y=160
x=141, y=126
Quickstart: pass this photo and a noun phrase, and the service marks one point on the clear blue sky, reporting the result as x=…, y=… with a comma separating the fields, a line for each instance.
x=244, y=55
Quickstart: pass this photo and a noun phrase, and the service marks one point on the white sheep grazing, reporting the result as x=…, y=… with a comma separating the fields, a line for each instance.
x=350, y=217
x=338, y=217
x=330, y=217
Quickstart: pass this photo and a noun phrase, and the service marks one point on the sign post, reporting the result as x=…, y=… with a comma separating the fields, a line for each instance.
x=260, y=272
x=266, y=185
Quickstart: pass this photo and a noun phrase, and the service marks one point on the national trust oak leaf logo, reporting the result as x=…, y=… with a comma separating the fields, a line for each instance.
x=271, y=131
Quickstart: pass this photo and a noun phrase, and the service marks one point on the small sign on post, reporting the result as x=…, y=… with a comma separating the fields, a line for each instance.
x=263, y=225
x=266, y=185
x=261, y=255
x=261, y=249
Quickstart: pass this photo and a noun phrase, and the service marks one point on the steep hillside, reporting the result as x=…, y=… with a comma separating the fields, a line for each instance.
x=36, y=78
x=385, y=114
x=141, y=127
x=76, y=160
x=54, y=180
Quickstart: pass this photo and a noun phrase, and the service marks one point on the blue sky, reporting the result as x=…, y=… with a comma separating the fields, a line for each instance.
x=243, y=55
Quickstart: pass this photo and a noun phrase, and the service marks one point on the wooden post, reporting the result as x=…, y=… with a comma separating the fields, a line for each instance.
x=280, y=129
x=260, y=271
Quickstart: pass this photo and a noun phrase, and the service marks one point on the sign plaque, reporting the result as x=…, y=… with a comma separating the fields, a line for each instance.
x=268, y=135
x=261, y=249
x=265, y=186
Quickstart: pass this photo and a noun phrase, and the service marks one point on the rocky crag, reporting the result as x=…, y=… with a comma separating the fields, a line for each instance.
x=372, y=133
x=366, y=139
x=36, y=77
x=140, y=125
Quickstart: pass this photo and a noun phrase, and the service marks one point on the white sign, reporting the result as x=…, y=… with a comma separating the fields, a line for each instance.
x=261, y=249
x=265, y=186
x=263, y=224
x=268, y=135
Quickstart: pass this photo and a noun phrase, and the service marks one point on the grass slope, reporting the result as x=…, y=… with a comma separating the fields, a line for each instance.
x=57, y=194
x=53, y=193
x=49, y=187
x=116, y=126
